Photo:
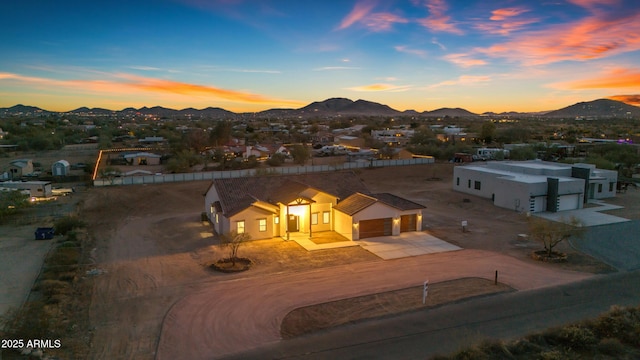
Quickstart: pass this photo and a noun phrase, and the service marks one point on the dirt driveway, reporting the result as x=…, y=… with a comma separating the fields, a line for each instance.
x=155, y=250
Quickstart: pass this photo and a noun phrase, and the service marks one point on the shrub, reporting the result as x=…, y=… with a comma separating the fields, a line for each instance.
x=65, y=224
x=611, y=347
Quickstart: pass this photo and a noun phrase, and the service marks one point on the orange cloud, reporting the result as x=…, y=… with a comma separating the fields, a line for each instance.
x=126, y=83
x=594, y=37
x=614, y=79
x=502, y=21
x=360, y=10
x=464, y=60
x=628, y=99
x=437, y=19
x=380, y=87
x=502, y=14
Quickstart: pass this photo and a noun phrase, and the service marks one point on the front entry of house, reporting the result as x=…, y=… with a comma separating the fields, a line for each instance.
x=293, y=223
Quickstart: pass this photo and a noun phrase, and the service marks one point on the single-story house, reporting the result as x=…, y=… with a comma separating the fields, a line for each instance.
x=287, y=205
x=60, y=168
x=535, y=186
x=35, y=188
x=20, y=167
x=142, y=158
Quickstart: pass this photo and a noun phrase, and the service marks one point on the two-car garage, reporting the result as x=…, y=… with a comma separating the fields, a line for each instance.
x=384, y=226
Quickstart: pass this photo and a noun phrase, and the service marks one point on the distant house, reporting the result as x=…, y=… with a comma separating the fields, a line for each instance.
x=535, y=186
x=393, y=137
x=20, y=167
x=152, y=140
x=142, y=158
x=60, y=168
x=294, y=205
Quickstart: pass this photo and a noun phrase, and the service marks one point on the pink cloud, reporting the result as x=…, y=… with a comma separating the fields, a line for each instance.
x=463, y=80
x=593, y=37
x=437, y=19
x=360, y=11
x=505, y=13
x=464, y=60
x=383, y=21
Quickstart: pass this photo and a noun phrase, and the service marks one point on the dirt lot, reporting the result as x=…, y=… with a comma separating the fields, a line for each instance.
x=155, y=250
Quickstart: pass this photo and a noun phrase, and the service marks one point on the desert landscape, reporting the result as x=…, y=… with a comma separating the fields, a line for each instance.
x=149, y=249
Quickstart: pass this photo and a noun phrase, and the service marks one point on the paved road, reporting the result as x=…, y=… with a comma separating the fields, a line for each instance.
x=446, y=329
x=616, y=244
x=238, y=315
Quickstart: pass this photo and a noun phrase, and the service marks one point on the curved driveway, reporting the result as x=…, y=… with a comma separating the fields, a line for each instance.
x=241, y=314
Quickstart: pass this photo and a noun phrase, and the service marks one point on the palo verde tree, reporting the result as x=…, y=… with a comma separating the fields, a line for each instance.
x=233, y=241
x=551, y=233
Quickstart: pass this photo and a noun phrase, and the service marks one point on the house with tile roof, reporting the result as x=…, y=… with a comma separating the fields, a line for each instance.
x=301, y=205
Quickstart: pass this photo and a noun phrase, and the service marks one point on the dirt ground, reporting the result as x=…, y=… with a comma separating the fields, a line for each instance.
x=154, y=249
x=322, y=316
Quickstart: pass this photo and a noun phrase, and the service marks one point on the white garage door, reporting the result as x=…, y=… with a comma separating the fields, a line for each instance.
x=568, y=202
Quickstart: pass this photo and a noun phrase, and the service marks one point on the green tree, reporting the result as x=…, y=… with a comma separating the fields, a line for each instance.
x=551, y=233
x=276, y=159
x=488, y=132
x=11, y=202
x=300, y=153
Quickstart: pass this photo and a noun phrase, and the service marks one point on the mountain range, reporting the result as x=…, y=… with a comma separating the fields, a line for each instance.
x=601, y=108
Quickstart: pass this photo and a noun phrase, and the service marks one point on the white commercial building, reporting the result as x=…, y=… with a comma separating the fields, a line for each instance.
x=535, y=186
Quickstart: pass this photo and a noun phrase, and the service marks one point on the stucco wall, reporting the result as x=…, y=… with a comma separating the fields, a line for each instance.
x=251, y=217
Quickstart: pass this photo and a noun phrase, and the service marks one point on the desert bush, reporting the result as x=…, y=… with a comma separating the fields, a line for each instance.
x=575, y=337
x=65, y=224
x=620, y=323
x=611, y=347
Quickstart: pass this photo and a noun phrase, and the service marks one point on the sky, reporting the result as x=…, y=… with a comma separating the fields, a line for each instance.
x=254, y=55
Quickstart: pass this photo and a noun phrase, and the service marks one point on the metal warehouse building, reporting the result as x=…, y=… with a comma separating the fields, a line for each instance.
x=535, y=186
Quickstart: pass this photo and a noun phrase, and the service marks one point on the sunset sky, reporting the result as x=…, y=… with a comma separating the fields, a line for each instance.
x=253, y=55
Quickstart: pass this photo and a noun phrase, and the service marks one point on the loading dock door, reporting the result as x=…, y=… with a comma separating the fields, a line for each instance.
x=407, y=223
x=375, y=227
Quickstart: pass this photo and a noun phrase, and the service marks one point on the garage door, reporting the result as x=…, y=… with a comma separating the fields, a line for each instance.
x=568, y=202
x=375, y=227
x=407, y=223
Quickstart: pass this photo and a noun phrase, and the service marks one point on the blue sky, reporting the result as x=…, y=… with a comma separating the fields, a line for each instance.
x=255, y=55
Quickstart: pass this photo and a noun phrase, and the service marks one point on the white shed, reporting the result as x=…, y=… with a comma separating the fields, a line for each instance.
x=60, y=168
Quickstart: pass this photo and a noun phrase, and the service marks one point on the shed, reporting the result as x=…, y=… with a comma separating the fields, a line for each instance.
x=60, y=168
x=20, y=167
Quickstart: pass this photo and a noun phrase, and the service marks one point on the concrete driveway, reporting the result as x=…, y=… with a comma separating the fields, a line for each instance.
x=590, y=216
x=405, y=245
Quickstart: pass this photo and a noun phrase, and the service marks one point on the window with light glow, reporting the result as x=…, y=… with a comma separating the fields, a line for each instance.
x=325, y=217
x=276, y=219
x=240, y=227
x=314, y=219
x=262, y=224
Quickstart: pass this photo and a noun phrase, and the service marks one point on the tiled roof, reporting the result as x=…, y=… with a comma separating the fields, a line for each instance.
x=355, y=203
x=239, y=193
x=397, y=202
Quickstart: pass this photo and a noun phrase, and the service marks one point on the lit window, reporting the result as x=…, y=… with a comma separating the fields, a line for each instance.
x=262, y=224
x=314, y=219
x=325, y=217
x=240, y=227
x=276, y=219
x=217, y=218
